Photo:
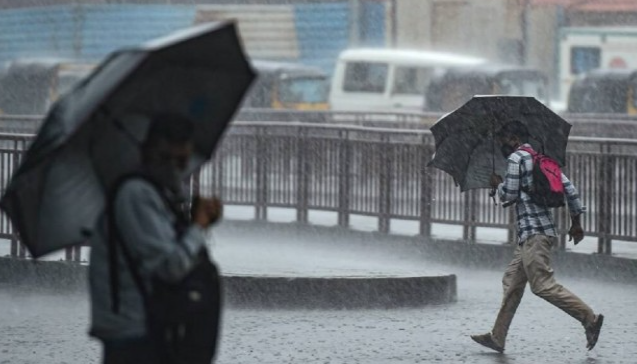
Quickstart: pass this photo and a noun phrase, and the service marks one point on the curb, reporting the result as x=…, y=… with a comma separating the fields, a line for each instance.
x=262, y=291
x=340, y=292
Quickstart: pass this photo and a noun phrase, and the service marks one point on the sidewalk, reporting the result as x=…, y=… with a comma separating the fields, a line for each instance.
x=51, y=328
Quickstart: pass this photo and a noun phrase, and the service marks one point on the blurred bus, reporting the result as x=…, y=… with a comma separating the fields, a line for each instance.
x=388, y=79
x=451, y=88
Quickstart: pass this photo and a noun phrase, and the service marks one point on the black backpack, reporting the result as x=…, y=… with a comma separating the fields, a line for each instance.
x=182, y=317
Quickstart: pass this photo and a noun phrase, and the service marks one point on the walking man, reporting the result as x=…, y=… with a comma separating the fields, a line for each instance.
x=166, y=246
x=536, y=235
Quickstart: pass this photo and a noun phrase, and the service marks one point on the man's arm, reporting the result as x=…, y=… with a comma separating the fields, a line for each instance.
x=576, y=209
x=509, y=190
x=140, y=215
x=573, y=200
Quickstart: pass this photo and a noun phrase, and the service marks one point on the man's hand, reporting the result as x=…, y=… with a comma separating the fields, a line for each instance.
x=576, y=233
x=495, y=180
x=206, y=211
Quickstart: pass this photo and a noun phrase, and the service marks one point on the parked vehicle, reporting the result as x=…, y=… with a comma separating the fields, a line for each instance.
x=388, y=79
x=30, y=87
x=451, y=88
x=583, y=49
x=288, y=86
x=604, y=91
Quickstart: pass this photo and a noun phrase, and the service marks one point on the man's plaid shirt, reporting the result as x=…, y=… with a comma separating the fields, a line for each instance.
x=532, y=219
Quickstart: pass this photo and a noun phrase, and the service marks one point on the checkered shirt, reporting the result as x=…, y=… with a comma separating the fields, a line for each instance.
x=532, y=219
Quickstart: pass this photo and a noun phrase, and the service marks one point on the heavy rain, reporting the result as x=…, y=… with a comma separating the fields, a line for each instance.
x=376, y=181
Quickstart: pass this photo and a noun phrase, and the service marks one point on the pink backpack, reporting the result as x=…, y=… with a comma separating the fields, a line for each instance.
x=547, y=189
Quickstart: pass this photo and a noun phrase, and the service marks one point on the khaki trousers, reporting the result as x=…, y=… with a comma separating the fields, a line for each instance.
x=532, y=263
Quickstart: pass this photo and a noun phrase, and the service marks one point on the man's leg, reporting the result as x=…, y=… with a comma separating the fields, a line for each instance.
x=536, y=257
x=131, y=351
x=513, y=284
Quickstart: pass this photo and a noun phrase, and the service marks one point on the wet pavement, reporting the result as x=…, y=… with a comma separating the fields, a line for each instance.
x=50, y=327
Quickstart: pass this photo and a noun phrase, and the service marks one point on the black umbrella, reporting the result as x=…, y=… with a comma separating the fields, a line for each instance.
x=465, y=138
x=92, y=135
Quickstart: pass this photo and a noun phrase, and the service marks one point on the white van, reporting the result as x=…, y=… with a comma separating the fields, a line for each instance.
x=387, y=79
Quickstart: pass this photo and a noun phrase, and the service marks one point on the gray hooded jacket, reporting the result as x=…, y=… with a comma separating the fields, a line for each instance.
x=146, y=224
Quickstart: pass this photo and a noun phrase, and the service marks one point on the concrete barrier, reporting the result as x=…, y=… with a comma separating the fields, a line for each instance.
x=340, y=292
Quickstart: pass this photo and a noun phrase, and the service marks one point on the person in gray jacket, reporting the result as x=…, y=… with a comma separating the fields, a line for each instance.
x=146, y=223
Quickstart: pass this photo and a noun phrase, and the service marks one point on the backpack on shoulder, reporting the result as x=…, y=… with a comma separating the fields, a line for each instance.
x=547, y=189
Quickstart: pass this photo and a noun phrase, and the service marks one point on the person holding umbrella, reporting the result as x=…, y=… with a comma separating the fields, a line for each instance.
x=106, y=167
x=536, y=236
x=156, y=241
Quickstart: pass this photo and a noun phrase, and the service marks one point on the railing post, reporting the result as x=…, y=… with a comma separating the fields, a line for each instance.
x=466, y=217
x=262, y=177
x=345, y=152
x=22, y=251
x=426, y=191
x=77, y=253
x=604, y=198
x=302, y=175
x=384, y=185
x=470, y=208
x=15, y=239
x=14, y=245
x=474, y=214
x=561, y=225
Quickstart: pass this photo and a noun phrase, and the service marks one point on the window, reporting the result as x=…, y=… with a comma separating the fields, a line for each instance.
x=584, y=59
x=365, y=77
x=303, y=90
x=411, y=80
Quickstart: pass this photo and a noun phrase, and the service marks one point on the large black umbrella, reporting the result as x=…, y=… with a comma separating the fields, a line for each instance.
x=92, y=135
x=465, y=138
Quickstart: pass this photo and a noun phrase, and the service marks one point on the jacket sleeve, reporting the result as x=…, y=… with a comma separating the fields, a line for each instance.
x=509, y=190
x=573, y=200
x=144, y=224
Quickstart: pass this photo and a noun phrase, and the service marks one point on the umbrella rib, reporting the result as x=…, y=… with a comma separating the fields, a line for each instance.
x=119, y=126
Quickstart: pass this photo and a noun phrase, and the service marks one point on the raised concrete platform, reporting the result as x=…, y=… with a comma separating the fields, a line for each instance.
x=286, y=268
x=267, y=268
x=340, y=292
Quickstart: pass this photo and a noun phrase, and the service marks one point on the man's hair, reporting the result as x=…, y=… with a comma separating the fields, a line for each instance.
x=171, y=128
x=514, y=128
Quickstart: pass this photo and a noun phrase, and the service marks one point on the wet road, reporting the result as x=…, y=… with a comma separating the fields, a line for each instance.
x=41, y=327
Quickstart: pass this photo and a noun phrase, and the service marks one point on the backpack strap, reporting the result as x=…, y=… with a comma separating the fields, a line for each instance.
x=533, y=153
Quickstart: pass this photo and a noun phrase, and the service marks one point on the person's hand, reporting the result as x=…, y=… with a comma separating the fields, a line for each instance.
x=206, y=211
x=495, y=180
x=575, y=233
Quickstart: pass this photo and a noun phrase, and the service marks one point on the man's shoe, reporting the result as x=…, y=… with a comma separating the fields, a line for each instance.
x=487, y=340
x=592, y=331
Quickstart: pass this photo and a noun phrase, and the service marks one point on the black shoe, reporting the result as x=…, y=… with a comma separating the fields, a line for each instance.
x=487, y=340
x=592, y=331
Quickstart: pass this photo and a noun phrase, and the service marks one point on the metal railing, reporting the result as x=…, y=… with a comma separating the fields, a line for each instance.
x=382, y=173
x=592, y=125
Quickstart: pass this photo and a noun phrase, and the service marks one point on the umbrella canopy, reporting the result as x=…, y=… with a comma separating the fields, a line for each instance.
x=466, y=146
x=92, y=135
